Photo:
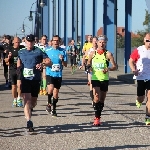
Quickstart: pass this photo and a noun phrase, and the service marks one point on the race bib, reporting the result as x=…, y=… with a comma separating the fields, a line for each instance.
x=15, y=60
x=55, y=67
x=28, y=73
x=99, y=66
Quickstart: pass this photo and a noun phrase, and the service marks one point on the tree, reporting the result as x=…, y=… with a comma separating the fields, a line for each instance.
x=146, y=21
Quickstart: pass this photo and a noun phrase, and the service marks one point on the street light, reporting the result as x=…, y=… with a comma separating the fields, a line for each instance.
x=23, y=29
x=42, y=4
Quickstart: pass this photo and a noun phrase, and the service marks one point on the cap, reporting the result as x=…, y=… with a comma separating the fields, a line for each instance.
x=30, y=38
x=8, y=37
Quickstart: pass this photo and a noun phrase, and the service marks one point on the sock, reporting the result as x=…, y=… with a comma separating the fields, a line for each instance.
x=41, y=85
x=49, y=98
x=44, y=84
x=15, y=99
x=54, y=103
x=91, y=94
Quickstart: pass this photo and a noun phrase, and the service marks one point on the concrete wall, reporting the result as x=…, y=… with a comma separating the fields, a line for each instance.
x=120, y=56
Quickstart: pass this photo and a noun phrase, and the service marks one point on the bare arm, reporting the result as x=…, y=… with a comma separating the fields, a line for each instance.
x=112, y=61
x=89, y=62
x=132, y=64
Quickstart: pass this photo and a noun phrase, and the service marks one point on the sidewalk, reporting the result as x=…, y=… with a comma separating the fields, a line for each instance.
x=122, y=128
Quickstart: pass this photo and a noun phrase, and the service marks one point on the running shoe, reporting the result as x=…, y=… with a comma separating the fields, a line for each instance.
x=44, y=92
x=30, y=126
x=96, y=121
x=14, y=103
x=41, y=92
x=147, y=121
x=138, y=104
x=54, y=114
x=48, y=108
x=19, y=103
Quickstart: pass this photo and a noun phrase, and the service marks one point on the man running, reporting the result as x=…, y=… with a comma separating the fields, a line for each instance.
x=30, y=62
x=98, y=62
x=139, y=63
x=54, y=74
x=72, y=50
x=11, y=60
x=43, y=45
x=87, y=53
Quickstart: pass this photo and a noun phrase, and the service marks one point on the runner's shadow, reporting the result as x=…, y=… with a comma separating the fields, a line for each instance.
x=117, y=147
x=70, y=128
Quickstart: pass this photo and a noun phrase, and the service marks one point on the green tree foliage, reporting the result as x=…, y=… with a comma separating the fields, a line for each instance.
x=146, y=21
x=120, y=42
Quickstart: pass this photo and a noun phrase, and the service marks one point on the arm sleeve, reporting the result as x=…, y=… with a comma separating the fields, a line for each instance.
x=65, y=55
x=135, y=55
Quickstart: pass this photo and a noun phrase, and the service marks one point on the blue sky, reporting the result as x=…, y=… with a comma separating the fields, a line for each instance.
x=12, y=16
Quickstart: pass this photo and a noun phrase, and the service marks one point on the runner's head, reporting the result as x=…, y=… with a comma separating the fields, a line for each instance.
x=56, y=41
x=147, y=40
x=102, y=40
x=44, y=39
x=89, y=38
x=16, y=42
x=30, y=41
x=94, y=41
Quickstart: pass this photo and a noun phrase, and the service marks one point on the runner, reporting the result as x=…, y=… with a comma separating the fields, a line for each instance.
x=98, y=62
x=11, y=59
x=30, y=62
x=72, y=50
x=43, y=45
x=139, y=63
x=54, y=74
x=87, y=53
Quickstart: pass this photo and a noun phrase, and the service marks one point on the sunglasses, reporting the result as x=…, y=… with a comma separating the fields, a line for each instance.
x=147, y=40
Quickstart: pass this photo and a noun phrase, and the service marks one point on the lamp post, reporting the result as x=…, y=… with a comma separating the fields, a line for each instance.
x=23, y=26
x=42, y=4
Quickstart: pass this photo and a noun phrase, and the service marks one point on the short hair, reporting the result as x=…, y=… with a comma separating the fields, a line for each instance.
x=43, y=36
x=103, y=37
x=56, y=36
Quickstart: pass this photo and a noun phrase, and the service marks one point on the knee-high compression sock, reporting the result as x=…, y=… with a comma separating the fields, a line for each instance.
x=91, y=94
x=44, y=84
x=49, y=98
x=41, y=85
x=98, y=107
x=54, y=103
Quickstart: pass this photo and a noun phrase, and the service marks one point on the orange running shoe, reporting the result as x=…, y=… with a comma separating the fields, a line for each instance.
x=96, y=122
x=41, y=92
x=44, y=92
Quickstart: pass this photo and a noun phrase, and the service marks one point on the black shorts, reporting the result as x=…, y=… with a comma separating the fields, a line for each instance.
x=30, y=86
x=14, y=77
x=102, y=84
x=73, y=61
x=56, y=81
x=142, y=86
x=5, y=67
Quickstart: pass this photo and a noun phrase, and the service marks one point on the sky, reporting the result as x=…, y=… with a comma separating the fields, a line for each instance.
x=17, y=12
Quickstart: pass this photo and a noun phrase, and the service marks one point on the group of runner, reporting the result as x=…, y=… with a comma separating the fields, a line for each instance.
x=37, y=69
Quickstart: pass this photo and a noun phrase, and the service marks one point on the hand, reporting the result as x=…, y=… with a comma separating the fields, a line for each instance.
x=74, y=53
x=105, y=70
x=136, y=72
x=5, y=51
x=80, y=67
x=61, y=57
x=9, y=55
x=39, y=66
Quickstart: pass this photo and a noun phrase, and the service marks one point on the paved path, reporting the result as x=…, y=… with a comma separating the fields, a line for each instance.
x=122, y=126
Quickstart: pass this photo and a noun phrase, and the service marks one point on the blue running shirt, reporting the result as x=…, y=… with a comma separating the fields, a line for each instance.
x=56, y=69
x=29, y=59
